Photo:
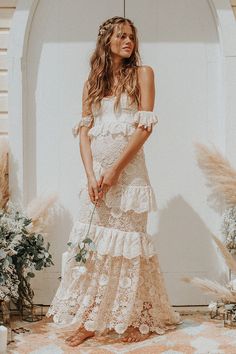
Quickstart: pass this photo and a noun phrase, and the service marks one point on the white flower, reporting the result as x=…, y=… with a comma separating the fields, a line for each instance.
x=2, y=254
x=144, y=328
x=228, y=227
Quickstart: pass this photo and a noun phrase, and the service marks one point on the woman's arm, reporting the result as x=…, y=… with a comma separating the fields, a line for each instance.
x=138, y=138
x=84, y=140
x=85, y=150
x=141, y=134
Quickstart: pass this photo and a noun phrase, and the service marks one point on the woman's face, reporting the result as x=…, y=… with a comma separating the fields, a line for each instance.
x=122, y=42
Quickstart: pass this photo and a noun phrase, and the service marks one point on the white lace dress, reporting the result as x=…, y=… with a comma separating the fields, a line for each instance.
x=121, y=283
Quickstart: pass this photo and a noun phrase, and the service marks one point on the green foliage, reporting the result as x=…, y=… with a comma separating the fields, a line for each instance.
x=22, y=252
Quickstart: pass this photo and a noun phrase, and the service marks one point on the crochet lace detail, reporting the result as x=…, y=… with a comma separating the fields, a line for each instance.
x=121, y=283
x=114, y=242
x=114, y=292
x=84, y=121
x=133, y=190
x=127, y=120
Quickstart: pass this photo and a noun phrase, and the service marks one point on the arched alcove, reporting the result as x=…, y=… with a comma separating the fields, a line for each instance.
x=186, y=44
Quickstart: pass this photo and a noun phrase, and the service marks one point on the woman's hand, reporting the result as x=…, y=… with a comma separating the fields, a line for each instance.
x=108, y=179
x=94, y=190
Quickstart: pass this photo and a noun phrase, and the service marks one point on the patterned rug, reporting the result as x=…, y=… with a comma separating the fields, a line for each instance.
x=198, y=334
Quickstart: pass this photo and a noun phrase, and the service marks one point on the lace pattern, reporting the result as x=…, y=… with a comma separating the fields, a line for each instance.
x=133, y=190
x=121, y=283
x=145, y=119
x=84, y=121
x=114, y=292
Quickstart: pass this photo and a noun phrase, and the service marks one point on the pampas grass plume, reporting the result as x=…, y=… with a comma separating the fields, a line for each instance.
x=229, y=260
x=38, y=211
x=212, y=287
x=219, y=172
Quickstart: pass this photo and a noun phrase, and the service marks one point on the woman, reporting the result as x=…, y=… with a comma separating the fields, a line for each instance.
x=121, y=288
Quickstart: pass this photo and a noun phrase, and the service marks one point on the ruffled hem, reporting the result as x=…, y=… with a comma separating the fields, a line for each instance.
x=143, y=328
x=106, y=128
x=113, y=292
x=84, y=121
x=127, y=197
x=145, y=118
x=113, y=242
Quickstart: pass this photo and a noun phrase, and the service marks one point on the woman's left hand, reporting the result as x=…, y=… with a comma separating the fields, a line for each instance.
x=107, y=180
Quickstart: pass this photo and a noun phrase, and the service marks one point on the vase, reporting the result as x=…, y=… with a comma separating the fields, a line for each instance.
x=5, y=310
x=5, y=318
x=32, y=313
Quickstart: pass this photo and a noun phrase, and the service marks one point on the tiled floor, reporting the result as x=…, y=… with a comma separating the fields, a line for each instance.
x=198, y=334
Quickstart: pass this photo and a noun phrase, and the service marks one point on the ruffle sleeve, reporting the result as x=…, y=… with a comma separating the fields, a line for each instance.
x=84, y=121
x=145, y=119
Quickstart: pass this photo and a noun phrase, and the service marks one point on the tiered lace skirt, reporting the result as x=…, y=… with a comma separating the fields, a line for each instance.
x=121, y=283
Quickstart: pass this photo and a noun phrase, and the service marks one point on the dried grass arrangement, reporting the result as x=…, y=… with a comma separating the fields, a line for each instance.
x=224, y=293
x=221, y=178
x=219, y=173
x=4, y=176
x=22, y=247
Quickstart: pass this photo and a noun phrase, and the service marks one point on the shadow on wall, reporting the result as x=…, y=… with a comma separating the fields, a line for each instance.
x=193, y=254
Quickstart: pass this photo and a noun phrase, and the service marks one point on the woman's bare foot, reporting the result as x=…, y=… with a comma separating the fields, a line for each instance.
x=134, y=335
x=79, y=336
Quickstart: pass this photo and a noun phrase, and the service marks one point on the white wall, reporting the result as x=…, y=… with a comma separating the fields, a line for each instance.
x=61, y=40
x=180, y=41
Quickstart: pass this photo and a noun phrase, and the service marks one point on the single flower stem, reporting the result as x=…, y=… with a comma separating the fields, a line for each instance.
x=90, y=222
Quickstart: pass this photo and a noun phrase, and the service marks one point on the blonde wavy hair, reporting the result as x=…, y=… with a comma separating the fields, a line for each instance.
x=100, y=79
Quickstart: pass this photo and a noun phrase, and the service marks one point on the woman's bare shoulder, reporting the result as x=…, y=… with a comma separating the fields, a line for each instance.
x=145, y=71
x=145, y=75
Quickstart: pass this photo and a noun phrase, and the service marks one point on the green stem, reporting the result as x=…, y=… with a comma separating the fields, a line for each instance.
x=90, y=222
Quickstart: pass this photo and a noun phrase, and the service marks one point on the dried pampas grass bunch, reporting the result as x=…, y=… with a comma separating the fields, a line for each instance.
x=224, y=293
x=38, y=211
x=213, y=288
x=4, y=180
x=219, y=172
x=229, y=259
